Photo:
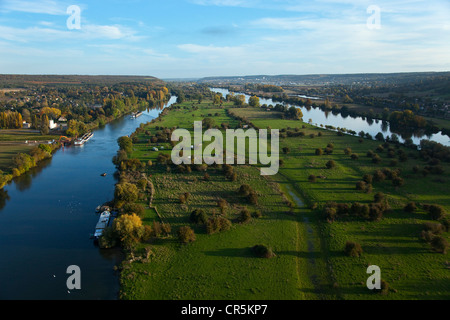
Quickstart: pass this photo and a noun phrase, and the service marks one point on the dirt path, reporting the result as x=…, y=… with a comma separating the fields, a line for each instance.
x=309, y=239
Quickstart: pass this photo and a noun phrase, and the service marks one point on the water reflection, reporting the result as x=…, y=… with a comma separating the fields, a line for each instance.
x=24, y=181
x=3, y=198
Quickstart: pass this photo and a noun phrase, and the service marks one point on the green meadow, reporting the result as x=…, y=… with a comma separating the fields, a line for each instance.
x=310, y=262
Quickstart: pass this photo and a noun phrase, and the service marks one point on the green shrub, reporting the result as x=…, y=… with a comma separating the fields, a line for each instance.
x=439, y=244
x=353, y=249
x=435, y=211
x=257, y=214
x=245, y=216
x=263, y=251
x=331, y=164
x=198, y=216
x=217, y=224
x=136, y=208
x=410, y=207
x=384, y=288
x=186, y=234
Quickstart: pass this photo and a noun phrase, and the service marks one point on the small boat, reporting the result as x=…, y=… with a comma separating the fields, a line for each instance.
x=103, y=174
x=85, y=138
x=135, y=115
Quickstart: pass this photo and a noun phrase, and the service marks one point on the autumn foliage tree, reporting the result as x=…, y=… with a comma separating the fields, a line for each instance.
x=186, y=234
x=128, y=229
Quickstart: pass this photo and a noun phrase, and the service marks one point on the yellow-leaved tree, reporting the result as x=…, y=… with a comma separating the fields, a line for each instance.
x=129, y=229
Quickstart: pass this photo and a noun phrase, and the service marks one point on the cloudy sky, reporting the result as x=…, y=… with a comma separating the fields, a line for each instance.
x=198, y=38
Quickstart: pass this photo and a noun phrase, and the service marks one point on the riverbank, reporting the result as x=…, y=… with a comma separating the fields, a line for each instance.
x=24, y=162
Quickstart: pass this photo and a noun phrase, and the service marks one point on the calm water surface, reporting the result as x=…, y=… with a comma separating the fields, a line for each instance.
x=48, y=217
x=318, y=117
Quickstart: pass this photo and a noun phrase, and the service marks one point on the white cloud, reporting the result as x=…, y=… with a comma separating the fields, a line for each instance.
x=87, y=32
x=210, y=50
x=225, y=3
x=40, y=6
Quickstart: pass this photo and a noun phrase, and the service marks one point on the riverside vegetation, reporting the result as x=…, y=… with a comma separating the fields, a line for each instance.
x=84, y=102
x=339, y=204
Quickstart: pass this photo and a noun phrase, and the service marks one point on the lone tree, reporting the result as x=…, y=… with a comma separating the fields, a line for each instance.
x=129, y=229
x=186, y=234
x=410, y=207
x=436, y=212
x=245, y=216
x=384, y=288
x=199, y=216
x=254, y=102
x=331, y=164
x=245, y=190
x=217, y=224
x=263, y=251
x=353, y=249
x=439, y=244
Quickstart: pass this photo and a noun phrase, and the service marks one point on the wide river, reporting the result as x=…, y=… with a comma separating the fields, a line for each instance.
x=49, y=214
x=319, y=117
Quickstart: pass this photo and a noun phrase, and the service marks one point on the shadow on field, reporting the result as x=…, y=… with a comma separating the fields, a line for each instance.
x=326, y=291
x=441, y=288
x=394, y=250
x=400, y=230
x=232, y=252
x=311, y=254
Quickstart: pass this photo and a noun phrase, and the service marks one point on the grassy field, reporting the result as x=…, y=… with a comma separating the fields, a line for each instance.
x=7, y=152
x=12, y=143
x=407, y=263
x=24, y=135
x=310, y=262
x=219, y=266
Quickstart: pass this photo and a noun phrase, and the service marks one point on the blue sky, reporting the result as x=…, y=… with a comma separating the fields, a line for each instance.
x=198, y=38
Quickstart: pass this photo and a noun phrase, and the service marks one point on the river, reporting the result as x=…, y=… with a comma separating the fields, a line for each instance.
x=48, y=217
x=318, y=117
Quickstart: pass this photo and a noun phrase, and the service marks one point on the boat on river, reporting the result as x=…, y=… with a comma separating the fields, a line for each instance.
x=135, y=115
x=102, y=223
x=85, y=138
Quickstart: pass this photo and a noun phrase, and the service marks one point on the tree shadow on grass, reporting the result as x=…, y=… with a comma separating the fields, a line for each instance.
x=311, y=254
x=400, y=230
x=394, y=250
x=233, y=253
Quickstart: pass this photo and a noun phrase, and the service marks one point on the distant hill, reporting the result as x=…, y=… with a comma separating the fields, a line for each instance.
x=327, y=79
x=13, y=80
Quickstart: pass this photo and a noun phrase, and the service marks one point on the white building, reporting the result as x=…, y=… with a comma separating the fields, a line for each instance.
x=52, y=125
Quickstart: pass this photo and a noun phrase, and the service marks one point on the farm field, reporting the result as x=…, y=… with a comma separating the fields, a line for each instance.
x=12, y=142
x=24, y=135
x=8, y=152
